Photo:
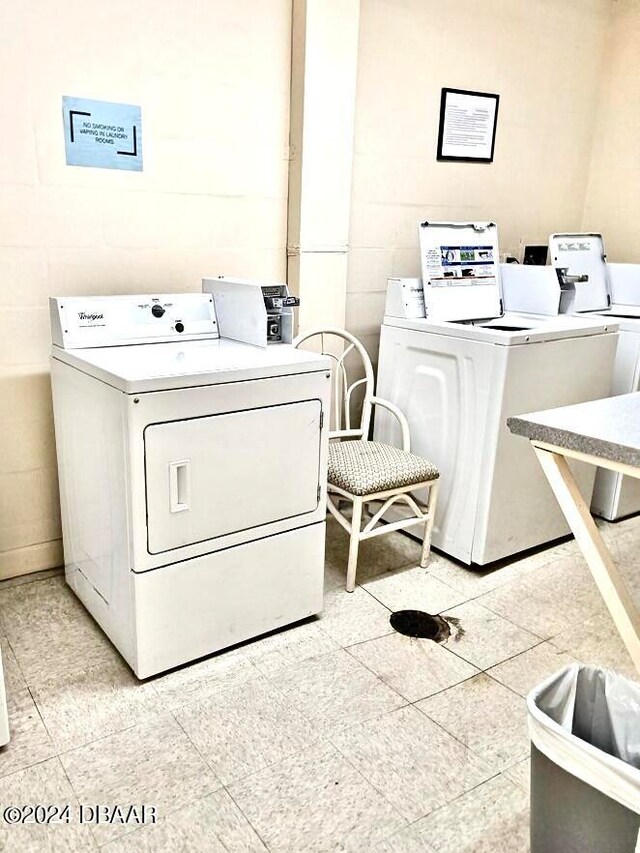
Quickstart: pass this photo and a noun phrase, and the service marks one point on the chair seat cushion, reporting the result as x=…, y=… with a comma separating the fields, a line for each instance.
x=366, y=467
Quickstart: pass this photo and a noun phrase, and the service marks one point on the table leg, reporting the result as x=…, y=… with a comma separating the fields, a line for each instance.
x=607, y=577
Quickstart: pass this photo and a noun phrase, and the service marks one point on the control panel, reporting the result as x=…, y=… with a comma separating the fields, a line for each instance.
x=251, y=311
x=277, y=303
x=78, y=322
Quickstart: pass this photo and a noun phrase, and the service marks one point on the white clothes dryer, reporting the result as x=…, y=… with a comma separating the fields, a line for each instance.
x=192, y=475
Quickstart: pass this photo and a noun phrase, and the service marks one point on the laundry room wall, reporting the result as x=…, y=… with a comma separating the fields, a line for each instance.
x=613, y=198
x=212, y=79
x=543, y=58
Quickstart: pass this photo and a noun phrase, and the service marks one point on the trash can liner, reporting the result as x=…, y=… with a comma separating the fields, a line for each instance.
x=587, y=720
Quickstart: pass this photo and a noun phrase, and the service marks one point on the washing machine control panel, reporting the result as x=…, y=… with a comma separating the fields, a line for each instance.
x=78, y=322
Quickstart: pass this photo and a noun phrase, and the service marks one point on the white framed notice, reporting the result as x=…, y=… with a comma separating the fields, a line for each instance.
x=467, y=125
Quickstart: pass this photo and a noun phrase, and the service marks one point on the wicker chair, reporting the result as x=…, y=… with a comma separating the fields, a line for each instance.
x=360, y=471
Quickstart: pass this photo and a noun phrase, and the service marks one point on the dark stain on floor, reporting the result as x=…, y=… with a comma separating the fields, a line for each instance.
x=417, y=623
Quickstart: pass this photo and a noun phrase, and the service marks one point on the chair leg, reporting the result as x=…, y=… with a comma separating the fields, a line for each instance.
x=431, y=509
x=354, y=542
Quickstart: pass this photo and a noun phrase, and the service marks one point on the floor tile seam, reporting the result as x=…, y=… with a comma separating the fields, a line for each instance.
x=77, y=798
x=574, y=623
x=373, y=596
x=200, y=755
x=326, y=737
x=246, y=816
x=15, y=657
x=286, y=701
x=54, y=744
x=486, y=670
x=367, y=781
x=459, y=655
x=481, y=672
x=413, y=701
x=96, y=665
x=444, y=583
x=408, y=822
x=323, y=742
x=369, y=639
x=463, y=659
x=457, y=797
x=59, y=751
x=460, y=604
x=444, y=689
x=300, y=663
x=456, y=738
x=28, y=767
x=168, y=810
x=28, y=688
x=377, y=675
x=477, y=601
x=315, y=742
x=499, y=683
x=221, y=689
x=500, y=615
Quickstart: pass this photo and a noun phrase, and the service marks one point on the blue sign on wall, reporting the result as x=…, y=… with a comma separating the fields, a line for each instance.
x=102, y=134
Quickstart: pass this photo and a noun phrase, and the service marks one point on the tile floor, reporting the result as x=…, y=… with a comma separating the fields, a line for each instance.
x=337, y=734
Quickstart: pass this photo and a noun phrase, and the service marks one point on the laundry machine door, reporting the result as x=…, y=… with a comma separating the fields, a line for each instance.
x=207, y=477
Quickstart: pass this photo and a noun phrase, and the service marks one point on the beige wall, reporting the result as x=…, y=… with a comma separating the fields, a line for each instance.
x=613, y=197
x=213, y=82
x=544, y=58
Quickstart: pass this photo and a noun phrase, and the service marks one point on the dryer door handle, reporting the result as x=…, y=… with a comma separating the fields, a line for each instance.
x=180, y=485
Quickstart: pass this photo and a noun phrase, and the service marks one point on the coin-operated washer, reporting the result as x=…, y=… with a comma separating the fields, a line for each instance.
x=192, y=475
x=461, y=371
x=590, y=286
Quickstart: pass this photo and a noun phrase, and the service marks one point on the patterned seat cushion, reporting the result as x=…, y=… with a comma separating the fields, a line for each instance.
x=366, y=467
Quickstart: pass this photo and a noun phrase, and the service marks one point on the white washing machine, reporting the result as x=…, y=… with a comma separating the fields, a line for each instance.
x=611, y=291
x=458, y=379
x=587, y=286
x=192, y=475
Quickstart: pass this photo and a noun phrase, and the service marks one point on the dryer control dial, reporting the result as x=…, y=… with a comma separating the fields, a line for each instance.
x=157, y=310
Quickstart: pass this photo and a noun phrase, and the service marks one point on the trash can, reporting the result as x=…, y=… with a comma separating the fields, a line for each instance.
x=584, y=724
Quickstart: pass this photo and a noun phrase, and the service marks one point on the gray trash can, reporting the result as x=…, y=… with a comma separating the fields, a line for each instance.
x=584, y=724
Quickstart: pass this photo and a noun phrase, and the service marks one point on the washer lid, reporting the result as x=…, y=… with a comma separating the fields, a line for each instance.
x=141, y=368
x=583, y=256
x=512, y=329
x=460, y=270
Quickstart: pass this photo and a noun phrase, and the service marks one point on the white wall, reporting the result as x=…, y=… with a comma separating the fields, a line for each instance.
x=543, y=58
x=212, y=79
x=613, y=197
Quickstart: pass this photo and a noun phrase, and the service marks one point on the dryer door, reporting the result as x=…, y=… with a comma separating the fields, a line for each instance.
x=210, y=476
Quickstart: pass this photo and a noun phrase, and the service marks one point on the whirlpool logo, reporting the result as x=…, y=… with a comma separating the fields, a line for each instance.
x=90, y=317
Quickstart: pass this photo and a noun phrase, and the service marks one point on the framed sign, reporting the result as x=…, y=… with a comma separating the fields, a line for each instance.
x=467, y=125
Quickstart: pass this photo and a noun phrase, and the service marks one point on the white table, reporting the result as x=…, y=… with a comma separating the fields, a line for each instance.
x=604, y=433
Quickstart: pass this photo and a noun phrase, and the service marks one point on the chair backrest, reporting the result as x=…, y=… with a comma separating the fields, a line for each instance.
x=343, y=388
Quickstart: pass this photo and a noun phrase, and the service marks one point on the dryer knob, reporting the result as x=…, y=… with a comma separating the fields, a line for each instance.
x=179, y=327
x=157, y=310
